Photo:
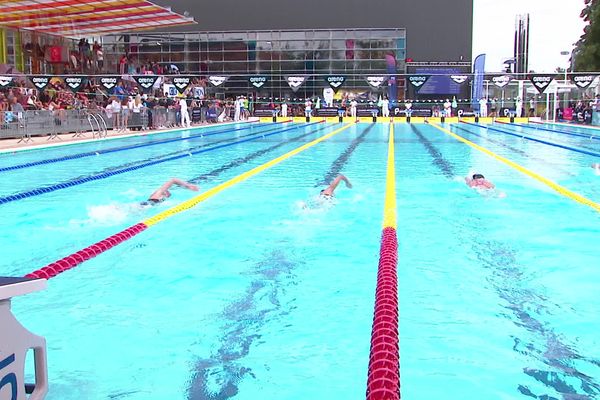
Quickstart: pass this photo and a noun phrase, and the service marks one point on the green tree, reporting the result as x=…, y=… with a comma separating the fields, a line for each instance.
x=587, y=52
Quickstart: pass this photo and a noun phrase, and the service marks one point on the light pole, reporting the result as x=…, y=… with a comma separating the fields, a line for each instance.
x=566, y=54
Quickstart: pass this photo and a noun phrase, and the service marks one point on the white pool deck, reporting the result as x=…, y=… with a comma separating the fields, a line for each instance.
x=41, y=142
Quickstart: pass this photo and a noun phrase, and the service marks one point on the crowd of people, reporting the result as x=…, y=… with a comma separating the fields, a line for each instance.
x=127, y=105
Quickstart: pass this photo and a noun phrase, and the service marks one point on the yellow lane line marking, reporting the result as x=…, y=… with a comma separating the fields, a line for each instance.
x=389, y=208
x=553, y=185
x=242, y=177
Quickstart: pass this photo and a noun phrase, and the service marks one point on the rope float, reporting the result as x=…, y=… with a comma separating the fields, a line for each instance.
x=553, y=131
x=553, y=185
x=117, y=149
x=522, y=136
x=383, y=379
x=105, y=175
x=75, y=259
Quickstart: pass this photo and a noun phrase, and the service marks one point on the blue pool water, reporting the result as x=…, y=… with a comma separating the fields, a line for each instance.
x=252, y=295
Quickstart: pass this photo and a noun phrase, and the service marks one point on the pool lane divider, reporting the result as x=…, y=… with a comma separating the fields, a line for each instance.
x=108, y=174
x=589, y=153
x=591, y=127
x=383, y=379
x=75, y=259
x=551, y=184
x=242, y=160
x=342, y=160
x=119, y=149
x=553, y=130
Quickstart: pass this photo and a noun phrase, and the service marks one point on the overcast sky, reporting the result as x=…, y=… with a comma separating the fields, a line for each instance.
x=555, y=26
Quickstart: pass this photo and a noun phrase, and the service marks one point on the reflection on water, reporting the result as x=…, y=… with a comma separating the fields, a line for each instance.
x=545, y=346
x=218, y=376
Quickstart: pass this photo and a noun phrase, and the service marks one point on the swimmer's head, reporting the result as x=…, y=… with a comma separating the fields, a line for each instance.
x=322, y=191
x=478, y=176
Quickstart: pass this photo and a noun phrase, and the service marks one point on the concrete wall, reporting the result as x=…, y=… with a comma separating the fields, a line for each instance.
x=437, y=30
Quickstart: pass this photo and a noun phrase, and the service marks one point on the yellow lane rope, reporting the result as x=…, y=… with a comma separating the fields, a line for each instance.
x=389, y=210
x=242, y=177
x=553, y=185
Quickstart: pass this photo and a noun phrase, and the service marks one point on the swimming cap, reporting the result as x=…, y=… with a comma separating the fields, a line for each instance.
x=478, y=176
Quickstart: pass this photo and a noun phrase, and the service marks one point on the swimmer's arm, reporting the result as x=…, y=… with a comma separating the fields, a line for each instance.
x=183, y=184
x=348, y=184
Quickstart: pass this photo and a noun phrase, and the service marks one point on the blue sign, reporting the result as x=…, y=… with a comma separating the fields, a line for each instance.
x=478, y=75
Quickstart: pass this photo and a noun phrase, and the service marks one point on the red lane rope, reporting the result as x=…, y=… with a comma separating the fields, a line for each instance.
x=73, y=260
x=383, y=382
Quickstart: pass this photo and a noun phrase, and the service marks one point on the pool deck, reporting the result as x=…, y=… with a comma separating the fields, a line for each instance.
x=41, y=142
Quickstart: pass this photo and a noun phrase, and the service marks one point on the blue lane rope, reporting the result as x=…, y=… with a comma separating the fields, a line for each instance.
x=185, y=151
x=243, y=160
x=117, y=149
x=558, y=131
x=589, y=153
x=343, y=159
x=52, y=188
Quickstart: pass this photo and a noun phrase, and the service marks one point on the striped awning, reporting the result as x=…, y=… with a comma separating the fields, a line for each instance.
x=80, y=18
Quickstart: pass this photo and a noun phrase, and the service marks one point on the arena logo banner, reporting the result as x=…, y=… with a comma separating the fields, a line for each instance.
x=583, y=81
x=258, y=81
x=335, y=81
x=501, y=81
x=5, y=81
x=217, y=80
x=459, y=79
x=146, y=82
x=376, y=81
x=295, y=82
x=181, y=83
x=74, y=82
x=541, y=81
x=418, y=80
x=40, y=82
x=108, y=82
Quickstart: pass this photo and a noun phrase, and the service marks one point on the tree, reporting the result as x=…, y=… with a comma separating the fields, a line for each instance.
x=587, y=52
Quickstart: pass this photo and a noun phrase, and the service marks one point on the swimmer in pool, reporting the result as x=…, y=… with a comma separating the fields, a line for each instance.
x=478, y=181
x=163, y=192
x=327, y=193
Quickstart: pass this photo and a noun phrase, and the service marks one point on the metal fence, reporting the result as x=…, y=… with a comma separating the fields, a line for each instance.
x=80, y=123
x=24, y=125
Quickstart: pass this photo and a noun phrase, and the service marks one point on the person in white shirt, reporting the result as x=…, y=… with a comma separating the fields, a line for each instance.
x=532, y=107
x=284, y=109
x=448, y=109
x=353, y=105
x=185, y=115
x=408, y=108
x=108, y=110
x=115, y=107
x=385, y=107
x=483, y=111
x=519, y=107
x=308, y=108
x=238, y=109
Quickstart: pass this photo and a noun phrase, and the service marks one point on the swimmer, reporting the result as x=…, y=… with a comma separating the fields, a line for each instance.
x=478, y=181
x=163, y=192
x=327, y=193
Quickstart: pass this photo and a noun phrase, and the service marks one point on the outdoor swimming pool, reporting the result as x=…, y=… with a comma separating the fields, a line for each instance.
x=262, y=292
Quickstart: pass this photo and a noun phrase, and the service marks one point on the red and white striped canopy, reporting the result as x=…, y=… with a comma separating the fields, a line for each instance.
x=77, y=18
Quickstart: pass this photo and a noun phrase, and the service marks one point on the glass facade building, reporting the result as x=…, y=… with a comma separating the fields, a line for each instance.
x=276, y=54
